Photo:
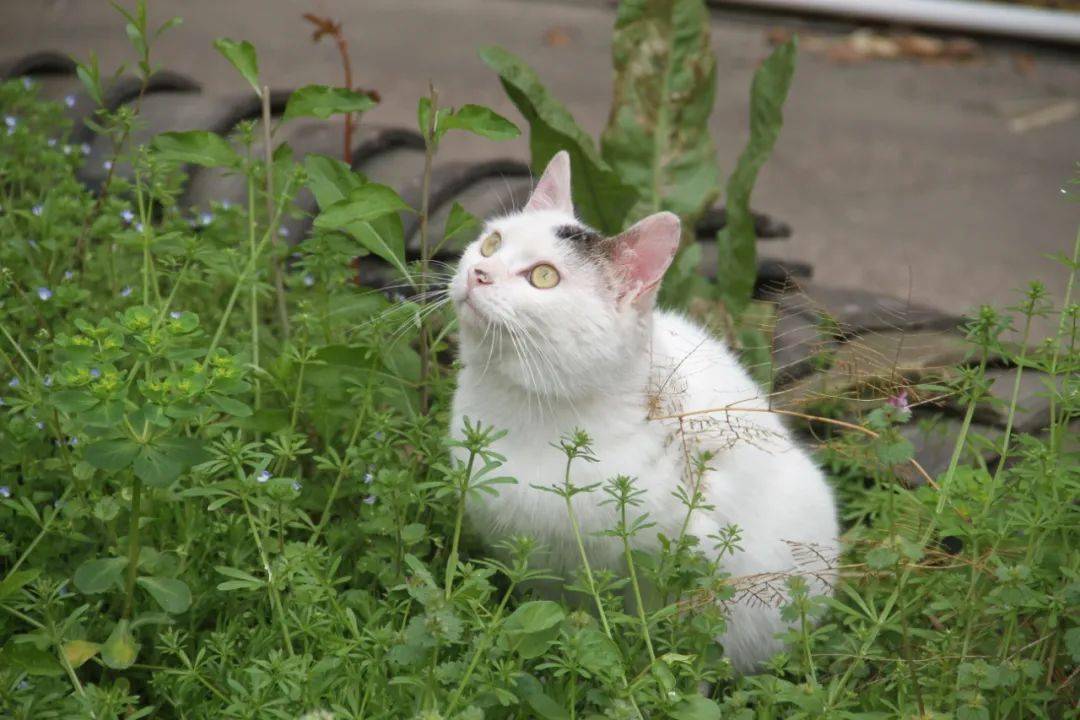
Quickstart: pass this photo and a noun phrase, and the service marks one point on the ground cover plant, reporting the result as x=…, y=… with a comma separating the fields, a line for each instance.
x=225, y=485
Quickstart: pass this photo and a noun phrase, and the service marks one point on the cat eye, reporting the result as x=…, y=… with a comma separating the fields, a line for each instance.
x=490, y=244
x=544, y=276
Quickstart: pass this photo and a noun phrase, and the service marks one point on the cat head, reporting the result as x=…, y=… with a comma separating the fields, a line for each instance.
x=553, y=305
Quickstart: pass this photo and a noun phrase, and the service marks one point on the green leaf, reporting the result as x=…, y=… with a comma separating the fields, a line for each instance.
x=120, y=650
x=111, y=455
x=894, y=450
x=98, y=575
x=532, y=692
x=657, y=137
x=696, y=707
x=241, y=580
x=15, y=581
x=322, y=101
x=78, y=652
x=29, y=659
x=532, y=627
x=171, y=594
x=330, y=179
x=243, y=58
x=198, y=147
x=162, y=462
x=230, y=406
x=478, y=120
x=736, y=242
x=364, y=203
x=601, y=198
x=459, y=221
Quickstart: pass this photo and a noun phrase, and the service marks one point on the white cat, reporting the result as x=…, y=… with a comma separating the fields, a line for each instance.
x=557, y=332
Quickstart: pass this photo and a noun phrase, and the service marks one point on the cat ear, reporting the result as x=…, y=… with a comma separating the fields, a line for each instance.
x=643, y=253
x=553, y=190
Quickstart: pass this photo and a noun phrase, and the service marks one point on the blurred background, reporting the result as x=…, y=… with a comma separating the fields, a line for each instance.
x=922, y=162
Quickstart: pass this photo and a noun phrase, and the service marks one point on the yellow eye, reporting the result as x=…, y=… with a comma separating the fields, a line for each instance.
x=491, y=244
x=544, y=277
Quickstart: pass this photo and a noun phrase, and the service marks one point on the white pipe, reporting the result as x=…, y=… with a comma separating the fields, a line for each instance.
x=975, y=17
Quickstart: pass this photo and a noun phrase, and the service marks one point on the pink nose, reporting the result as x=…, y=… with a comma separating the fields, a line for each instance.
x=478, y=276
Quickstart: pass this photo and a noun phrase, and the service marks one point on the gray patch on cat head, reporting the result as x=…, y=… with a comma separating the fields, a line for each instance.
x=586, y=242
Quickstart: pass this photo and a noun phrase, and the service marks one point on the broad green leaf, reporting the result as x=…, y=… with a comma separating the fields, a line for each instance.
x=171, y=594
x=657, y=138
x=532, y=692
x=198, y=147
x=111, y=454
x=322, y=101
x=120, y=650
x=696, y=707
x=15, y=581
x=601, y=198
x=28, y=658
x=459, y=221
x=532, y=628
x=597, y=653
x=243, y=58
x=163, y=461
x=478, y=120
x=330, y=179
x=99, y=575
x=230, y=406
x=364, y=203
x=77, y=652
x=736, y=242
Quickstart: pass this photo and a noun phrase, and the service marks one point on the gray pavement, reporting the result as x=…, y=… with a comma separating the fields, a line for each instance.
x=896, y=176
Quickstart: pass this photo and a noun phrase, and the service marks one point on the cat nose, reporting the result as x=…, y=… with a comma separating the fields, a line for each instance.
x=479, y=276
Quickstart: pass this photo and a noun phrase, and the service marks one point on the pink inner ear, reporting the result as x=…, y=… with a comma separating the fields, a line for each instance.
x=553, y=190
x=644, y=252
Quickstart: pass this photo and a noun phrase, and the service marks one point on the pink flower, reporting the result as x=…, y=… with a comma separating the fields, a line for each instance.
x=900, y=400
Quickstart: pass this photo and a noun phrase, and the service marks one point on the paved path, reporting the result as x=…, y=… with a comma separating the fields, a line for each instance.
x=892, y=174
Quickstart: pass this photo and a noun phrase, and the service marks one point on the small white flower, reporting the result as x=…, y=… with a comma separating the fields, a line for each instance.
x=296, y=485
x=126, y=215
x=11, y=121
x=175, y=314
x=309, y=280
x=206, y=218
x=138, y=227
x=68, y=274
x=72, y=441
x=47, y=381
x=370, y=500
x=368, y=478
x=37, y=210
x=225, y=204
x=107, y=164
x=13, y=383
x=51, y=142
x=283, y=231
x=39, y=425
x=67, y=149
x=85, y=148
x=126, y=291
x=69, y=100
x=263, y=476
x=44, y=293
x=5, y=491
x=27, y=82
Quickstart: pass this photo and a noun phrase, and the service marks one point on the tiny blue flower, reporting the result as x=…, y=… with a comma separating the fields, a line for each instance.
x=23, y=685
x=379, y=435
x=138, y=227
x=5, y=491
x=13, y=383
x=126, y=291
x=107, y=164
x=368, y=478
x=27, y=82
x=370, y=500
x=225, y=204
x=309, y=280
x=68, y=274
x=296, y=485
x=263, y=476
x=37, y=209
x=10, y=121
x=85, y=148
x=175, y=314
x=39, y=425
x=126, y=215
x=51, y=142
x=95, y=373
x=72, y=441
x=206, y=218
x=283, y=231
x=47, y=381
x=44, y=293
x=69, y=100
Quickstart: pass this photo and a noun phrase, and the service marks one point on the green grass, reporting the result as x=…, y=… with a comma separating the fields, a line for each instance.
x=206, y=515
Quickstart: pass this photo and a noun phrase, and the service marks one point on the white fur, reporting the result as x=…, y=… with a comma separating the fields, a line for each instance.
x=540, y=363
